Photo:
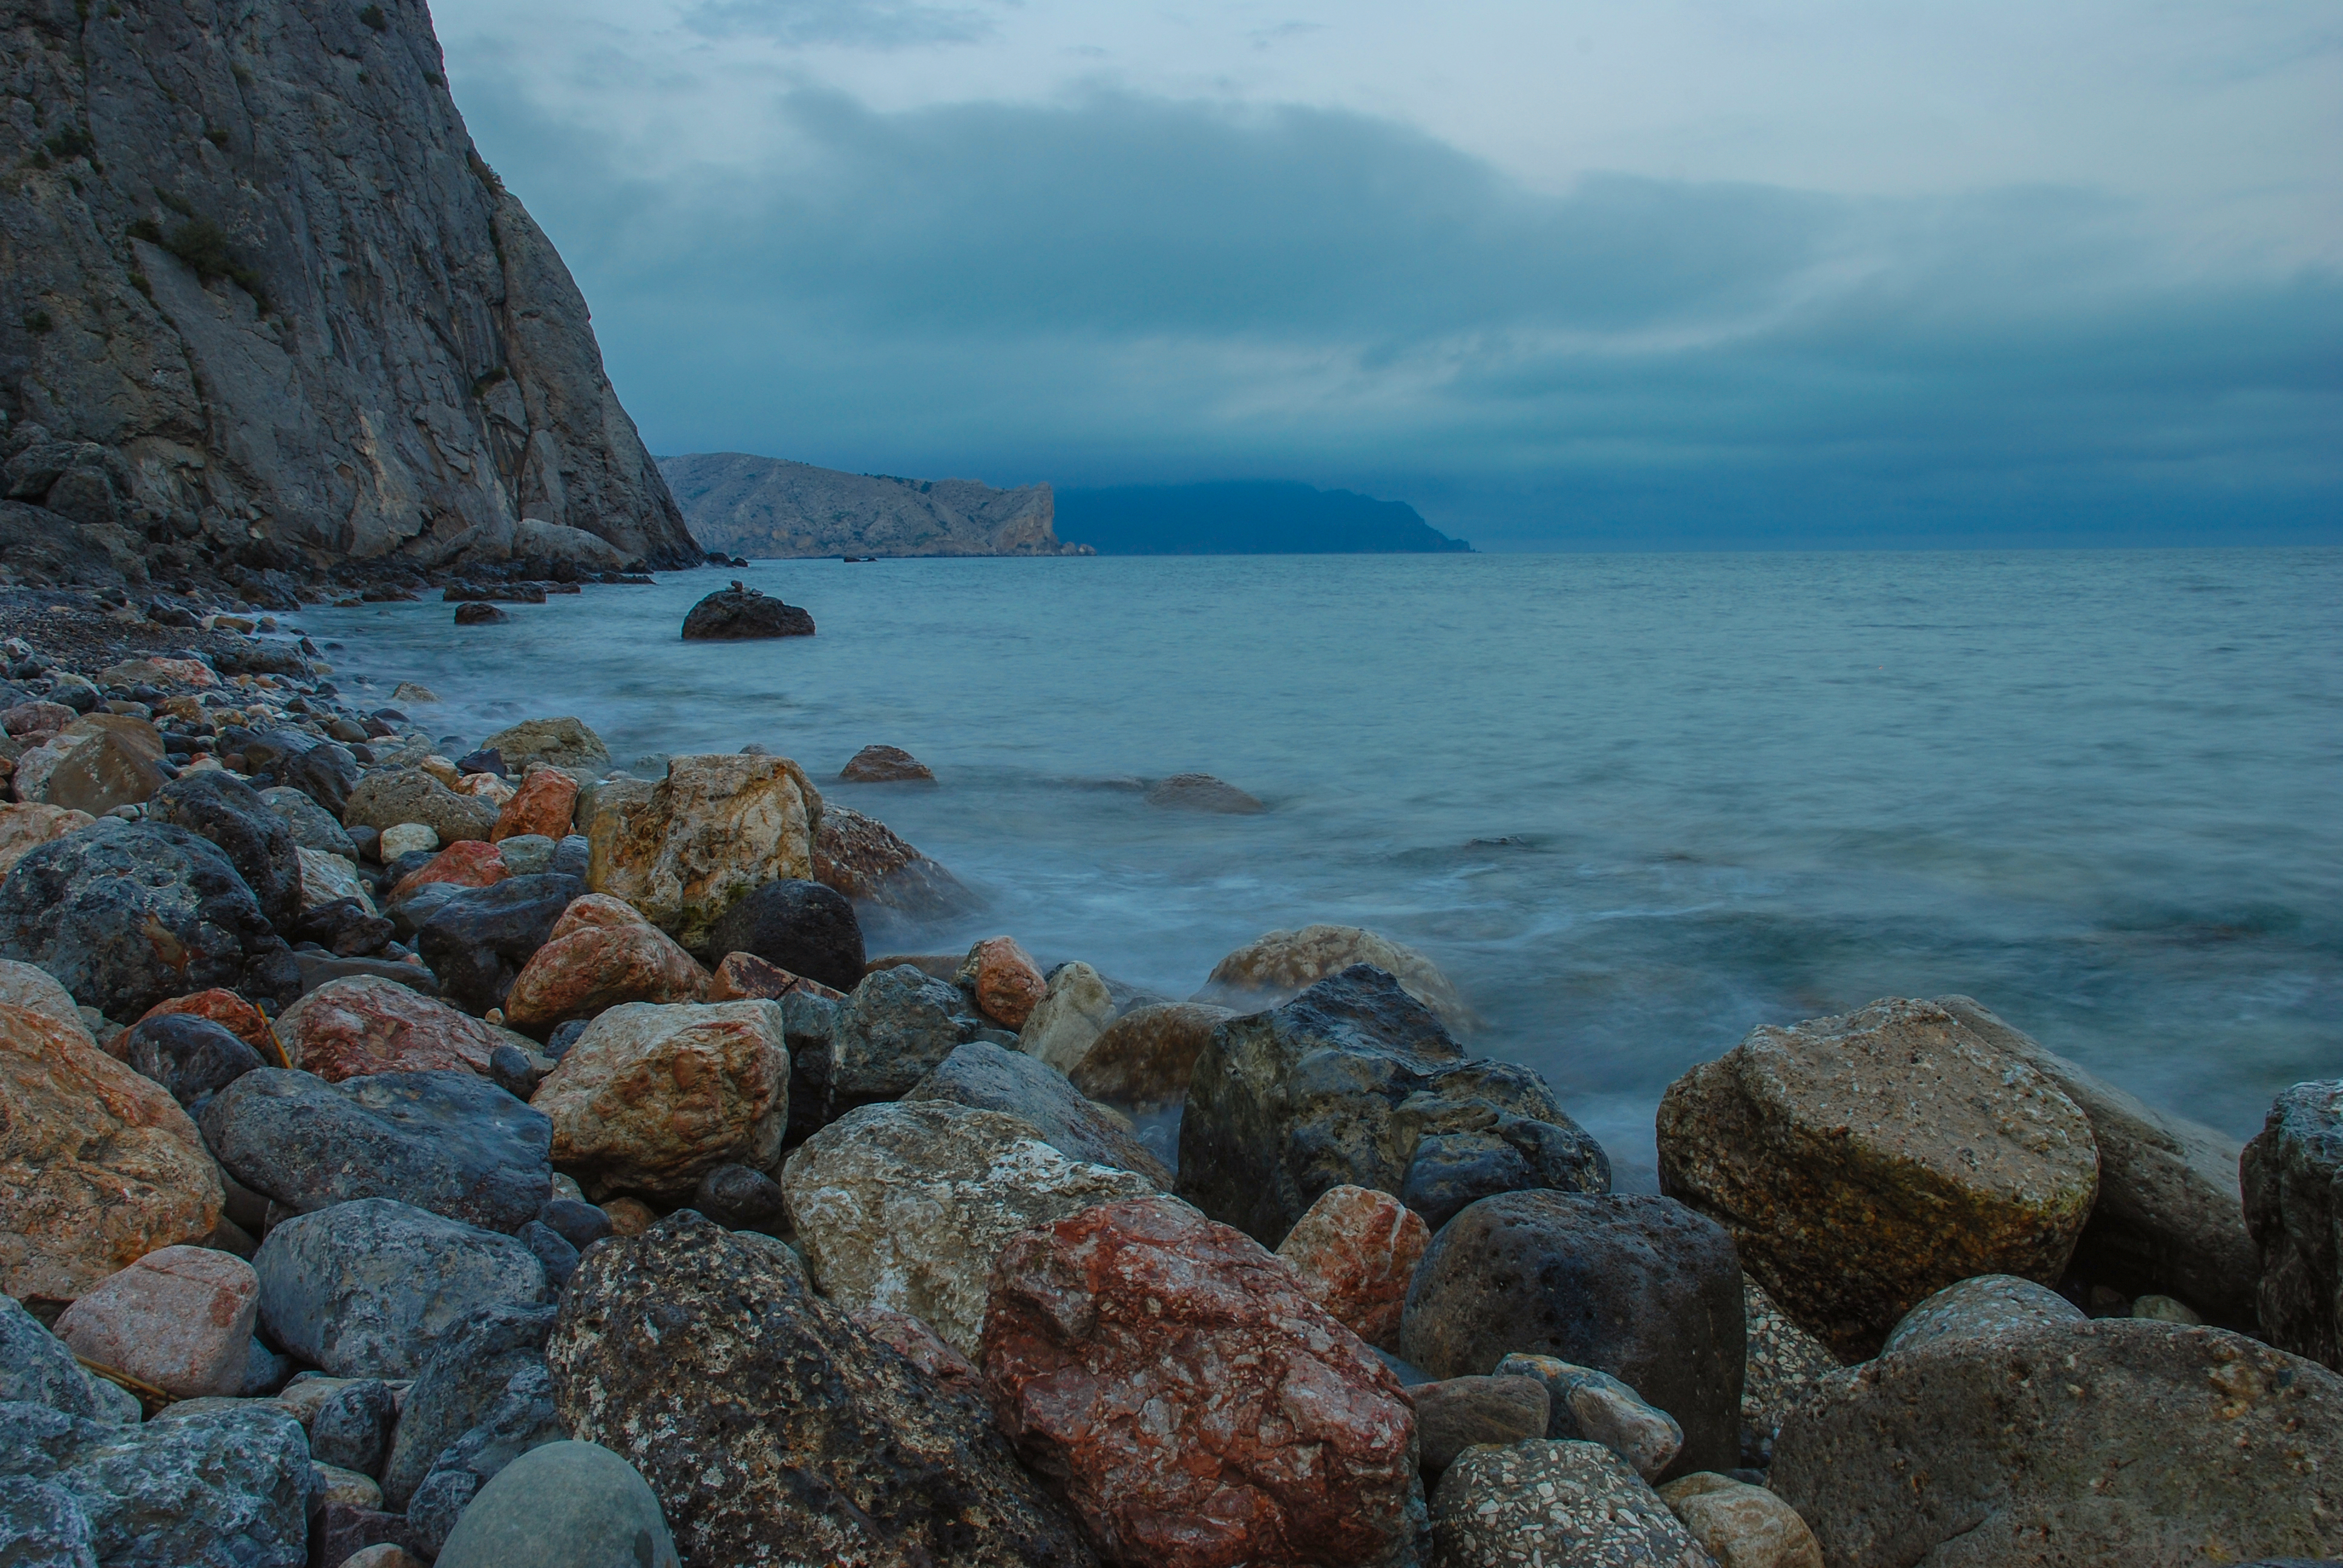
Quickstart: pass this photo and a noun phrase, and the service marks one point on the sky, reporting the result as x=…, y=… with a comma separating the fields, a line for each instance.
x=1581, y=274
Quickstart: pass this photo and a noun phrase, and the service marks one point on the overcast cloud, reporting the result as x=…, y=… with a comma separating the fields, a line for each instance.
x=1573, y=276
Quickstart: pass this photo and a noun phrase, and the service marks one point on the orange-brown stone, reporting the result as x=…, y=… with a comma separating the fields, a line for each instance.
x=601, y=953
x=361, y=1025
x=543, y=805
x=1008, y=984
x=470, y=863
x=1354, y=1251
x=745, y=977
x=180, y=1318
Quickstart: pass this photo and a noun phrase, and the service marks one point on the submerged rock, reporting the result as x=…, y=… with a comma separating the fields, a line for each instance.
x=738, y=613
x=863, y=859
x=1277, y=966
x=1201, y=793
x=886, y=765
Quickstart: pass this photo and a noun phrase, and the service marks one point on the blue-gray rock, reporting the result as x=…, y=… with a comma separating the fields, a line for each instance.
x=411, y=912
x=1454, y=1413
x=525, y=854
x=564, y=1036
x=477, y=939
x=38, y=1368
x=741, y=1199
x=1642, y=1288
x=225, y=1485
x=369, y=1288
x=318, y=969
x=804, y=927
x=897, y=1027
x=313, y=827
x=2293, y=1178
x=43, y=1526
x=128, y=914
x=521, y=1418
x=325, y=772
x=344, y=928
x=459, y=1386
x=989, y=1078
x=1356, y=1081
x=352, y=1429
x=451, y=1142
x=1981, y=1308
x=564, y=1505
x=1589, y=1406
x=570, y=856
x=514, y=1071
x=808, y=1026
x=192, y=1057
x=258, y=842
x=553, y=1249
x=576, y=1222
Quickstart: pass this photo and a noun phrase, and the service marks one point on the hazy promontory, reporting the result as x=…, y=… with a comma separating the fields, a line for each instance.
x=1242, y=518
x=752, y=506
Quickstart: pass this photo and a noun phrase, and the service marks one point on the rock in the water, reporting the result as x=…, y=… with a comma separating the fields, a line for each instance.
x=1277, y=966
x=467, y=1372
x=180, y=1318
x=38, y=1368
x=1572, y=1503
x=228, y=1483
x=1741, y=1525
x=2112, y=1441
x=479, y=614
x=368, y=1288
x=651, y=1099
x=905, y=1205
x=897, y=1027
x=192, y=1057
x=801, y=925
x=563, y=1505
x=1591, y=1406
x=451, y=1142
x=885, y=765
x=125, y=914
x=362, y=1025
x=862, y=857
x=741, y=1199
x=686, y=849
x=565, y=743
x=1202, y=792
x=2293, y=1177
x=258, y=842
x=98, y=1165
x=773, y=1430
x=352, y=1428
x=991, y=1077
x=1861, y=1162
x=1640, y=1287
x=1779, y=1367
x=1454, y=1413
x=1272, y=1434
x=25, y=826
x=312, y=825
x=1981, y=1308
x=395, y=796
x=1356, y=1082
x=542, y=807
x=1354, y=1253
x=1148, y=1054
x=479, y=941
x=601, y=953
x=1068, y=1020
x=1004, y=980
x=737, y=613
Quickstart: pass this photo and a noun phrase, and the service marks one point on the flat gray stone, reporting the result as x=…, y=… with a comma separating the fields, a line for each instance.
x=564, y=1505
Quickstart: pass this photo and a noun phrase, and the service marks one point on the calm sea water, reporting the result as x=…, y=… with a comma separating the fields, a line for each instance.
x=1635, y=805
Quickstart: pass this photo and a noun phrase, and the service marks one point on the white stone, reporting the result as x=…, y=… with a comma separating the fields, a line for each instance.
x=404, y=840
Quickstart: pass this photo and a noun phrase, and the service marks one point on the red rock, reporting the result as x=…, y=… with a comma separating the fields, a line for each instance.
x=745, y=977
x=601, y=953
x=180, y=1318
x=543, y=804
x=470, y=863
x=350, y=1028
x=921, y=1345
x=1355, y=1253
x=37, y=720
x=1195, y=1408
x=224, y=1008
x=1008, y=984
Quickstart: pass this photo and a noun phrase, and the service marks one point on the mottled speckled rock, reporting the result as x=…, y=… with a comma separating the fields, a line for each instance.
x=1779, y=1369
x=563, y=1505
x=1146, y=1055
x=38, y=1368
x=180, y=1318
x=862, y=857
x=312, y=825
x=25, y=826
x=1861, y=1162
x=1005, y=980
x=569, y=744
x=1981, y=1308
x=1356, y=1082
x=1277, y=966
x=993, y=1078
x=599, y=954
x=1740, y=1525
x=1069, y=1019
x=906, y=1205
x=897, y=1026
x=2293, y=1176
x=1272, y=1436
x=916, y=1342
x=1573, y=1503
x=469, y=1371
x=1355, y=1253
x=688, y=848
x=38, y=991
x=258, y=842
x=361, y=1025
x=1451, y=1414
x=395, y=796
x=771, y=1429
x=1590, y=1406
x=2114, y=1440
x=98, y=1165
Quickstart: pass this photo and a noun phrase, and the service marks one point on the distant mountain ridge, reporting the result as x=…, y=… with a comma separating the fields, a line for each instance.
x=768, y=506
x=1245, y=517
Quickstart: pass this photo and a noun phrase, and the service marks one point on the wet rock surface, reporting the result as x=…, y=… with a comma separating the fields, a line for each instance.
x=2293, y=1178
x=988, y=1077
x=799, y=925
x=1148, y=1054
x=1354, y=1254
x=738, y=613
x=863, y=859
x=684, y=850
x=1558, y=1503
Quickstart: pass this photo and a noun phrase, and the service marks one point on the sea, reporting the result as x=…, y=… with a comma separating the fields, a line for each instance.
x=1636, y=806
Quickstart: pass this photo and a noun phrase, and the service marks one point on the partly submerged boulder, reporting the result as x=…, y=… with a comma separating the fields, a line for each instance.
x=737, y=614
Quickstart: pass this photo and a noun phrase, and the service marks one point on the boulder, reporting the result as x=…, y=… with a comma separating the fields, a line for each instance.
x=180, y=1318
x=564, y=743
x=741, y=1199
x=745, y=977
x=1454, y=1413
x=801, y=926
x=477, y=614
x=527, y=854
x=897, y=1027
x=1553, y=1502
x=737, y=613
x=521, y=1419
x=1277, y=966
x=222, y=1007
x=330, y=879
x=36, y=990
x=1861, y=1162
x=362, y=1025
x=394, y=796
x=1201, y=793
x=326, y=772
x=863, y=859
x=1741, y=1525
x=905, y=1205
x=312, y=825
x=1004, y=980
x=25, y=826
x=541, y=805
x=1356, y=1082
x=1590, y=1406
x=2113, y=1441
x=479, y=942
x=1146, y=1055
x=125, y=914
x=563, y=1505
x=650, y=1098
x=1982, y=1308
x=990, y=1078
x=258, y=842
x=886, y=765
x=1353, y=1252
x=38, y=1368
x=1640, y=1287
x=108, y=761
x=1271, y=1435
x=452, y=1143
x=191, y=1057
x=1780, y=1364
x=368, y=1288
x=916, y=1342
x=474, y=863
x=395, y=844
x=2293, y=1176
x=1069, y=1019
x=351, y=1428
x=466, y=1374
x=773, y=1430
x=686, y=849
x=98, y=1165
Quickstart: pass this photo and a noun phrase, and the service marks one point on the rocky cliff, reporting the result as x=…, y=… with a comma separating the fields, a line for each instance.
x=258, y=293
x=769, y=506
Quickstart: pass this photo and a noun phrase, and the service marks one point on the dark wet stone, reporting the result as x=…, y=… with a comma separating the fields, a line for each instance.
x=736, y=613
x=258, y=842
x=803, y=926
x=192, y=1057
x=478, y=939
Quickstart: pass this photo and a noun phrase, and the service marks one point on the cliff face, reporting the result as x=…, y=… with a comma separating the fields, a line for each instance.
x=769, y=506
x=257, y=286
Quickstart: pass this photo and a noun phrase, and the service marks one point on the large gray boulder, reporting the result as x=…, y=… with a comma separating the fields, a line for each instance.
x=258, y=842
x=1356, y=1082
x=386, y=798
x=2293, y=1173
x=313, y=826
x=897, y=1025
x=369, y=1288
x=564, y=1505
x=468, y=1374
x=2118, y=1440
x=38, y=1368
x=451, y=1142
x=566, y=743
x=991, y=1077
